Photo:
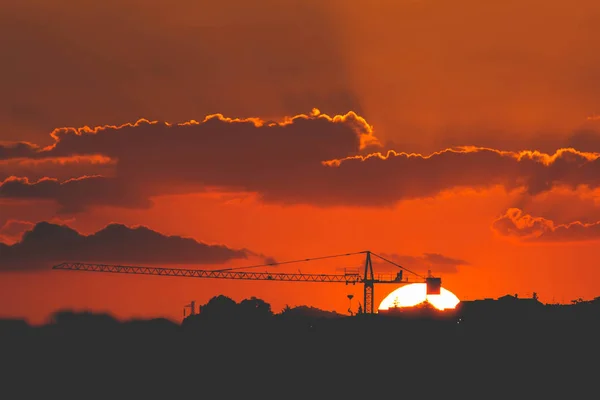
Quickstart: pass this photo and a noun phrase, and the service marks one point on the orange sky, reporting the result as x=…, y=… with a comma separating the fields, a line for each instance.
x=420, y=77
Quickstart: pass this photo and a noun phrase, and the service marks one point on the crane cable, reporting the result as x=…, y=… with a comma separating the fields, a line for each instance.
x=322, y=258
x=397, y=265
x=292, y=261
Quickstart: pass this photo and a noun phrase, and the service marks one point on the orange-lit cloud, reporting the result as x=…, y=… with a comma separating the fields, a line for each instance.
x=327, y=137
x=17, y=150
x=12, y=230
x=47, y=243
x=62, y=168
x=517, y=224
x=562, y=204
x=308, y=159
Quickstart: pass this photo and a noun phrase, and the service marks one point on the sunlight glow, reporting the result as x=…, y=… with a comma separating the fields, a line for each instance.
x=416, y=293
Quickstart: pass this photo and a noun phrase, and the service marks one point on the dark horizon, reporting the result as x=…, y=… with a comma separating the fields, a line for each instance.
x=507, y=306
x=245, y=349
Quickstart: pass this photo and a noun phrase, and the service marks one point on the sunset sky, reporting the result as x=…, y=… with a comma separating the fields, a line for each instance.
x=457, y=136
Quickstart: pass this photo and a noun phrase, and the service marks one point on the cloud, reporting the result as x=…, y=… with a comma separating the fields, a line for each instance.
x=313, y=159
x=271, y=59
x=75, y=195
x=514, y=223
x=152, y=158
x=17, y=150
x=63, y=168
x=270, y=260
x=437, y=263
x=101, y=63
x=403, y=175
x=47, y=244
x=562, y=204
x=12, y=230
x=315, y=135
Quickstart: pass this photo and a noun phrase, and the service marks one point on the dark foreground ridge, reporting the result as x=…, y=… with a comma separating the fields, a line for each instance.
x=230, y=349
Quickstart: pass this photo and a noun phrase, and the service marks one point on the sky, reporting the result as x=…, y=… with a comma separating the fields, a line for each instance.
x=460, y=137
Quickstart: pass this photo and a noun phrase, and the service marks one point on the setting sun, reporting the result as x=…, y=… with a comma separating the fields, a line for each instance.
x=415, y=293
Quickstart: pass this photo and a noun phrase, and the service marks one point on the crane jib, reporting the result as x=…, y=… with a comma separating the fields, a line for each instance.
x=199, y=273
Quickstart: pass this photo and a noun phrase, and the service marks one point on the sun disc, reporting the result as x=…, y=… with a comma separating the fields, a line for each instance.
x=416, y=293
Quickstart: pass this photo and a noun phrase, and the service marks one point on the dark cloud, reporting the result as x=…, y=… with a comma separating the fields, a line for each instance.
x=59, y=168
x=17, y=150
x=270, y=260
x=517, y=224
x=435, y=262
x=282, y=162
x=583, y=137
x=156, y=158
x=314, y=136
x=75, y=195
x=47, y=244
x=395, y=176
x=562, y=205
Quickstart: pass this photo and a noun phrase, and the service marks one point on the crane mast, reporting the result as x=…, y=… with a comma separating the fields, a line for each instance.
x=368, y=279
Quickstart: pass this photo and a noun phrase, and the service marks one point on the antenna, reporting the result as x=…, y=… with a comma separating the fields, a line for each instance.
x=192, y=307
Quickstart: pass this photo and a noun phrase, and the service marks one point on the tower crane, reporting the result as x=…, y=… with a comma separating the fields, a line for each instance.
x=367, y=278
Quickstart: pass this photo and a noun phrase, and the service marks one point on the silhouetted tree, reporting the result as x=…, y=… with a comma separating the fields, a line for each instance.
x=255, y=308
x=219, y=308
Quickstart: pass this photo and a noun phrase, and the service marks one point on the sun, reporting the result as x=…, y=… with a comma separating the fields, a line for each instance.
x=416, y=293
